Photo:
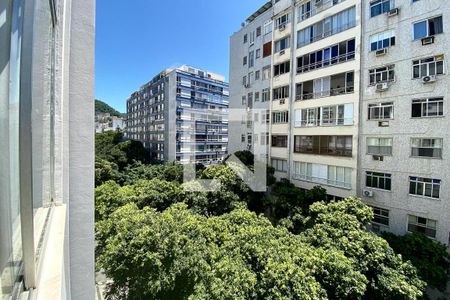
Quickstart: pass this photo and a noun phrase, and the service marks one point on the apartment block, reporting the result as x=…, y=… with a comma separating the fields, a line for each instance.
x=355, y=93
x=310, y=88
x=404, y=155
x=181, y=115
x=47, y=149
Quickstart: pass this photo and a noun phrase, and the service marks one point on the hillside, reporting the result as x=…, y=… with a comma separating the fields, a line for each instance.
x=102, y=107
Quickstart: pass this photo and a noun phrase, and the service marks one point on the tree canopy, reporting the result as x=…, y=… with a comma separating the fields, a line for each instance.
x=102, y=107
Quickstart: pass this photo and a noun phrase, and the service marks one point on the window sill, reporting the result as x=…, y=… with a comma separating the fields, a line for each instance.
x=377, y=189
x=424, y=197
x=426, y=157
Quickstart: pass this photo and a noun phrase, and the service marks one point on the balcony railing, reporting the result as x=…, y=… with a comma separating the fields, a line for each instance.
x=327, y=62
x=325, y=181
x=328, y=93
x=326, y=4
x=326, y=123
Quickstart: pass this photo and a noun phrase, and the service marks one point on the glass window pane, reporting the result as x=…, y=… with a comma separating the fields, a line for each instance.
x=420, y=30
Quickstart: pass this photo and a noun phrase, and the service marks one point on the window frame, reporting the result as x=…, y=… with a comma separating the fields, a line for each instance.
x=381, y=107
x=386, y=177
x=427, y=22
x=419, y=63
x=420, y=224
x=424, y=106
x=389, y=71
x=379, y=146
x=422, y=146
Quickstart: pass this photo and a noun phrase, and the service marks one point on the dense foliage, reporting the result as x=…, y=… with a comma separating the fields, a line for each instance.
x=102, y=107
x=429, y=257
x=158, y=240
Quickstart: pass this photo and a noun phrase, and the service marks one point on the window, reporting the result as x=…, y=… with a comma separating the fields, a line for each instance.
x=281, y=92
x=265, y=95
x=428, y=66
x=252, y=37
x=257, y=75
x=332, y=55
x=250, y=99
x=244, y=61
x=378, y=180
x=279, y=141
x=282, y=44
x=426, y=187
x=280, y=117
x=244, y=100
x=379, y=7
x=243, y=138
x=266, y=72
x=258, y=53
x=282, y=68
x=245, y=38
x=383, y=74
x=244, y=81
x=256, y=96
x=327, y=27
x=380, y=216
x=279, y=165
x=282, y=21
x=425, y=108
x=379, y=146
x=309, y=9
x=251, y=59
x=334, y=85
x=267, y=49
x=323, y=174
x=382, y=40
x=268, y=27
x=258, y=31
x=426, y=147
x=381, y=111
x=422, y=225
x=323, y=145
x=427, y=28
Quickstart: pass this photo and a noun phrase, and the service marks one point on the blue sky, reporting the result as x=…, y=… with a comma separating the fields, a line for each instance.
x=137, y=39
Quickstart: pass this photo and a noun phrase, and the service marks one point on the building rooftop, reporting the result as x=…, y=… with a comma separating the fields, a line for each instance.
x=260, y=11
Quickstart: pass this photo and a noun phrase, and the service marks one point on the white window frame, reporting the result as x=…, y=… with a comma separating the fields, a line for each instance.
x=381, y=106
x=419, y=63
x=414, y=220
x=439, y=101
x=384, y=71
x=383, y=145
x=420, y=143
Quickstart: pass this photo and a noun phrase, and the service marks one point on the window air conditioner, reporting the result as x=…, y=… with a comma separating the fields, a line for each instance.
x=282, y=101
x=367, y=193
x=282, y=52
x=380, y=87
x=247, y=85
x=282, y=27
x=383, y=124
x=429, y=79
x=378, y=157
x=381, y=52
x=428, y=40
x=393, y=12
x=318, y=2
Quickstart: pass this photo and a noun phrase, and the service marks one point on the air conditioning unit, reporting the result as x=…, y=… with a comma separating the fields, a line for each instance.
x=428, y=40
x=318, y=2
x=393, y=12
x=383, y=124
x=282, y=27
x=367, y=193
x=428, y=79
x=381, y=87
x=378, y=157
x=381, y=52
x=282, y=101
x=247, y=85
x=282, y=52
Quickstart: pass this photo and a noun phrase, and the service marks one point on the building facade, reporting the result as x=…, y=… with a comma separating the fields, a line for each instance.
x=308, y=83
x=350, y=109
x=404, y=155
x=105, y=122
x=47, y=149
x=181, y=115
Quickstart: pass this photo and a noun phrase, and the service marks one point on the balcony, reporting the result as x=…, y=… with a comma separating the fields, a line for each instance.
x=335, y=85
x=315, y=7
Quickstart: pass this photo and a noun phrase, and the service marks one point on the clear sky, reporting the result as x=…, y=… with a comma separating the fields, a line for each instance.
x=136, y=39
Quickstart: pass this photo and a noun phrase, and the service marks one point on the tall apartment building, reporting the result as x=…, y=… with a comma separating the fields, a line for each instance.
x=306, y=54
x=181, y=115
x=47, y=149
x=404, y=157
x=355, y=93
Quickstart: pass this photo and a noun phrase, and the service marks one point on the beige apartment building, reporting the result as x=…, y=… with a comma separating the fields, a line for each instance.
x=355, y=99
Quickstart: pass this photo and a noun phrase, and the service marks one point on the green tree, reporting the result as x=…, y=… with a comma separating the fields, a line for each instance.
x=430, y=258
x=342, y=225
x=105, y=171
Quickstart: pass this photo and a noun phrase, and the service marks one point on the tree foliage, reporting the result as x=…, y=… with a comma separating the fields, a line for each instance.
x=429, y=257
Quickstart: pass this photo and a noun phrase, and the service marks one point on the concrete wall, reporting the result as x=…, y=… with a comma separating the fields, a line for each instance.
x=402, y=128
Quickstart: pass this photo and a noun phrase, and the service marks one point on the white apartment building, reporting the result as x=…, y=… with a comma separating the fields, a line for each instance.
x=404, y=157
x=309, y=85
x=357, y=102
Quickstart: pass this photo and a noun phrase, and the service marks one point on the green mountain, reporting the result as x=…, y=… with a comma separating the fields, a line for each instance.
x=102, y=107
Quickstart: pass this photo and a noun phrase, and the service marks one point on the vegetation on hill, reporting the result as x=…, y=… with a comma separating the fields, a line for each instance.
x=158, y=240
x=102, y=107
